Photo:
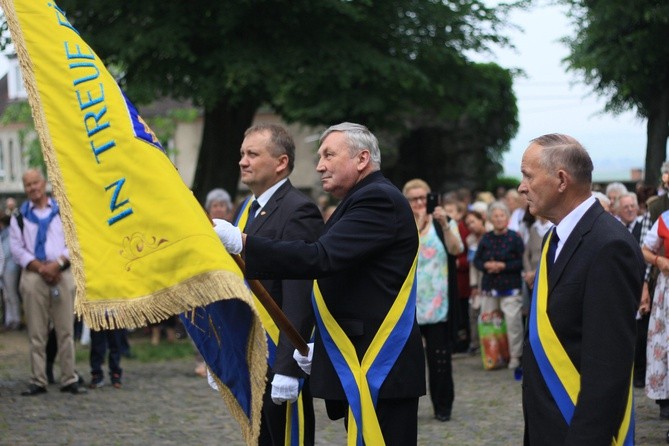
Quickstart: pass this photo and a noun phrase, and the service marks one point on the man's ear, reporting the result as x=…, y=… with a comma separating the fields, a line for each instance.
x=282, y=163
x=565, y=180
x=363, y=159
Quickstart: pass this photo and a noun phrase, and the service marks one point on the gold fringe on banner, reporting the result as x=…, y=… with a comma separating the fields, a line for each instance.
x=80, y=181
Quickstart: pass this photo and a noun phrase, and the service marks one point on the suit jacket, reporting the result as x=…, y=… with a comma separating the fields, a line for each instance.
x=361, y=262
x=593, y=294
x=289, y=215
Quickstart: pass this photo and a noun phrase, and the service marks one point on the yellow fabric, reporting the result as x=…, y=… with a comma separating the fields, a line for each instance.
x=288, y=433
x=268, y=323
x=371, y=430
x=141, y=246
x=627, y=419
x=556, y=353
x=558, y=357
x=272, y=331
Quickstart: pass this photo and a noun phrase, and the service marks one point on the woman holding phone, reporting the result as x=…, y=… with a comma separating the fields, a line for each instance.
x=435, y=286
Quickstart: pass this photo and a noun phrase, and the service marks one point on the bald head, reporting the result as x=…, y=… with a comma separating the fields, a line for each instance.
x=34, y=185
x=557, y=176
x=565, y=152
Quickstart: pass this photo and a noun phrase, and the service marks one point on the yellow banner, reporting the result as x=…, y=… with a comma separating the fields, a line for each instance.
x=142, y=248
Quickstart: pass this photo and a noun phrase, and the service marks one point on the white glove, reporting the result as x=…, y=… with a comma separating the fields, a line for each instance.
x=230, y=235
x=304, y=361
x=284, y=388
x=211, y=381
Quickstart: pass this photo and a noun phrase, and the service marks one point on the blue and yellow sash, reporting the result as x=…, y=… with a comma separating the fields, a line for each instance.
x=362, y=380
x=559, y=373
x=294, y=411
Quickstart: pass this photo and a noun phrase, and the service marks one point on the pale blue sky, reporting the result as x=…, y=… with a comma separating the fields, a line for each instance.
x=551, y=100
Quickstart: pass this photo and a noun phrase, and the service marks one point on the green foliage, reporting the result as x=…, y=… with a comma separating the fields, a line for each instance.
x=5, y=38
x=143, y=351
x=19, y=113
x=617, y=50
x=379, y=62
x=507, y=183
x=620, y=49
x=164, y=126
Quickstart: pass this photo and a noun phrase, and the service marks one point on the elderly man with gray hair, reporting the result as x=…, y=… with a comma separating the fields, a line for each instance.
x=368, y=359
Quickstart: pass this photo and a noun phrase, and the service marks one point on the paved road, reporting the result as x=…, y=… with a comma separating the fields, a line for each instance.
x=165, y=404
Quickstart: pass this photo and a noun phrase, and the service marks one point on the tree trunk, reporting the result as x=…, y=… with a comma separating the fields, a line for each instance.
x=222, y=136
x=657, y=131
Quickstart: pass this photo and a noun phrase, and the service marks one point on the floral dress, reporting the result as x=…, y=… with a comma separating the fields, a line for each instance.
x=657, y=350
x=432, y=275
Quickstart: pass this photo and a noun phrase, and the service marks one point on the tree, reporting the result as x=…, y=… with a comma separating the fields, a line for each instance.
x=19, y=113
x=457, y=139
x=316, y=61
x=620, y=49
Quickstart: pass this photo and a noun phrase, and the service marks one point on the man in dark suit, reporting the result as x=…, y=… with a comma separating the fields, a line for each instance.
x=368, y=361
x=281, y=213
x=626, y=209
x=580, y=348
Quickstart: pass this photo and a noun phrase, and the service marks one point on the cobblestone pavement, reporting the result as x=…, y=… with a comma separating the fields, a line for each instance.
x=166, y=404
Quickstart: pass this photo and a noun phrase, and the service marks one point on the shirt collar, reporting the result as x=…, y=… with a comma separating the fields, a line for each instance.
x=264, y=198
x=567, y=225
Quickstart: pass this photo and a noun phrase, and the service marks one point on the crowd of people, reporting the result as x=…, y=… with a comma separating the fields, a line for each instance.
x=397, y=283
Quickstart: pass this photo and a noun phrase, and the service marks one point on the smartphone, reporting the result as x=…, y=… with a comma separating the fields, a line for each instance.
x=432, y=202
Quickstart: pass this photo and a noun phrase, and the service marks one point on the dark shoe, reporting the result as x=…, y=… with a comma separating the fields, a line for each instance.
x=49, y=373
x=73, y=388
x=116, y=380
x=33, y=390
x=442, y=417
x=664, y=413
x=80, y=379
x=96, y=382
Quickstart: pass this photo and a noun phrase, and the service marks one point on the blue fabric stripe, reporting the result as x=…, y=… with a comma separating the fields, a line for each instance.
x=343, y=371
x=271, y=350
x=665, y=218
x=271, y=346
x=295, y=420
x=241, y=212
x=230, y=322
x=629, y=438
x=553, y=382
x=392, y=347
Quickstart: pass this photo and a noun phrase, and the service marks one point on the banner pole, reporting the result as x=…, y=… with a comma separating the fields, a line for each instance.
x=273, y=309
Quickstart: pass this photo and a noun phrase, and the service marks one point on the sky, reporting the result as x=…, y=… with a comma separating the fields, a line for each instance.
x=550, y=100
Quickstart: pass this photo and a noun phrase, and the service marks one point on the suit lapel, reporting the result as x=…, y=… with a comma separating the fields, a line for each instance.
x=271, y=206
x=573, y=242
x=374, y=177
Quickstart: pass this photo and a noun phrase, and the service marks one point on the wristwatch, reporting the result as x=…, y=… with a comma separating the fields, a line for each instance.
x=61, y=264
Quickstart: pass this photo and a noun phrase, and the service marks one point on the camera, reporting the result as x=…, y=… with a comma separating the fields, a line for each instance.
x=432, y=202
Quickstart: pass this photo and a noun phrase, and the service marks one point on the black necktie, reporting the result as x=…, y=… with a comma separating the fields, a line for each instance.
x=252, y=214
x=552, y=247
